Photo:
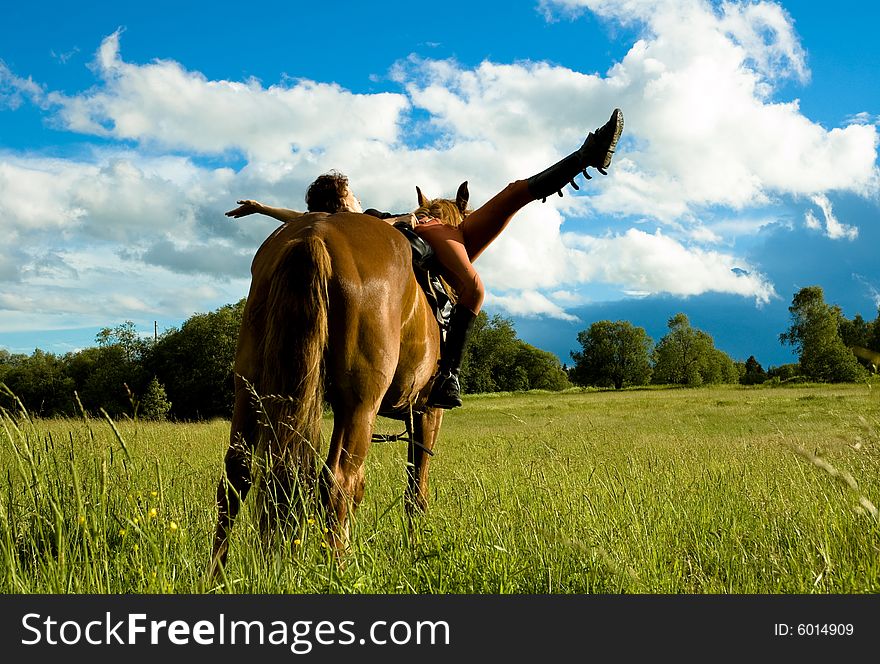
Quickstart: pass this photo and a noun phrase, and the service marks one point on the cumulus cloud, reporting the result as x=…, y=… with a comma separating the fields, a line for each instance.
x=104, y=240
x=654, y=263
x=702, y=128
x=706, y=146
x=529, y=303
x=164, y=104
x=534, y=253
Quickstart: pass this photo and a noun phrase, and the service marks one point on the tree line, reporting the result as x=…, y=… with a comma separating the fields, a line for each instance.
x=186, y=373
x=830, y=348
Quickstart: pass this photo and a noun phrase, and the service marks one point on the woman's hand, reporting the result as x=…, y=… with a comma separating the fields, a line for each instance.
x=409, y=219
x=247, y=207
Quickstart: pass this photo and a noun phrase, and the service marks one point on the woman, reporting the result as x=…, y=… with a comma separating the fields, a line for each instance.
x=457, y=247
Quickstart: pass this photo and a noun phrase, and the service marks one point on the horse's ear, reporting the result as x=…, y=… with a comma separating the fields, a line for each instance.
x=422, y=200
x=461, y=198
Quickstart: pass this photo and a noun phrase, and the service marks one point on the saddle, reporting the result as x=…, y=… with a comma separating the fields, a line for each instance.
x=425, y=269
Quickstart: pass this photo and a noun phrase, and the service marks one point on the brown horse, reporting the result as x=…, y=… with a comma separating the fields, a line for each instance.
x=333, y=304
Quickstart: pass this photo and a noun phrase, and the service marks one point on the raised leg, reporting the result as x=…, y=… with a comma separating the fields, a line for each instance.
x=485, y=223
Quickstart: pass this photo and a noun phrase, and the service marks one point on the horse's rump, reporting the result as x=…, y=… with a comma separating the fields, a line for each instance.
x=333, y=301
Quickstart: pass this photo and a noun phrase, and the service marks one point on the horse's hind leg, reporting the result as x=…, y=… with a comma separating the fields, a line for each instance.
x=426, y=428
x=342, y=479
x=236, y=480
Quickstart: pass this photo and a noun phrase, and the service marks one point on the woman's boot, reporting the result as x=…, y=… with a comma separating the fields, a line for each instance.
x=596, y=151
x=446, y=391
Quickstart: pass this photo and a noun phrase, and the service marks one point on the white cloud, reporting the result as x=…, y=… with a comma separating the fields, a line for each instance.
x=833, y=228
x=811, y=222
x=701, y=126
x=15, y=89
x=529, y=303
x=654, y=263
x=872, y=291
x=705, y=139
x=165, y=105
x=763, y=30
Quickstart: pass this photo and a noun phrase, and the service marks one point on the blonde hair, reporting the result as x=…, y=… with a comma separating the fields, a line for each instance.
x=450, y=212
x=441, y=209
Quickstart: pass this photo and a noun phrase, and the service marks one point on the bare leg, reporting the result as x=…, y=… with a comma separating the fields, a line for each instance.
x=485, y=224
x=481, y=227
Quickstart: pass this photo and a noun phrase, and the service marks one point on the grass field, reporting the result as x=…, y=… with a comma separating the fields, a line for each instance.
x=711, y=490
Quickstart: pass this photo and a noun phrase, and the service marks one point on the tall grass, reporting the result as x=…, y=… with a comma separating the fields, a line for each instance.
x=713, y=490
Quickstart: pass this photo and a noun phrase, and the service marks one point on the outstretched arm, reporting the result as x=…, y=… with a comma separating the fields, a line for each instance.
x=255, y=207
x=390, y=218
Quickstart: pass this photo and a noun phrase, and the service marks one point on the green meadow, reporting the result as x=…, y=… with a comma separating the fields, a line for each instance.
x=711, y=490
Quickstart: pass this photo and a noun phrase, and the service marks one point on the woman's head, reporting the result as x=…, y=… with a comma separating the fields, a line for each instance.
x=330, y=193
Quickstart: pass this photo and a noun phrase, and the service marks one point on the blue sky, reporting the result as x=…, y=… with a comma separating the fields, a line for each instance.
x=747, y=170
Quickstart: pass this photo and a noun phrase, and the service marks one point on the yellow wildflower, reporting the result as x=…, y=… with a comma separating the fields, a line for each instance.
x=153, y=513
x=172, y=526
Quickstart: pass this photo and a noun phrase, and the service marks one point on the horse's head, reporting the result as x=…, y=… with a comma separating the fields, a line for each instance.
x=446, y=210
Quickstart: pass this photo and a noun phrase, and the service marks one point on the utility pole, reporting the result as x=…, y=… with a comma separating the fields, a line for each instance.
x=155, y=331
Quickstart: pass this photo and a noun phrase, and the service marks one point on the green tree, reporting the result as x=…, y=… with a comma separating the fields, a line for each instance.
x=154, y=404
x=687, y=356
x=612, y=355
x=107, y=376
x=127, y=339
x=195, y=363
x=874, y=340
x=484, y=364
x=814, y=333
x=719, y=367
x=856, y=332
x=753, y=373
x=678, y=356
x=863, y=339
x=105, y=379
x=542, y=369
x=39, y=381
x=784, y=372
x=496, y=360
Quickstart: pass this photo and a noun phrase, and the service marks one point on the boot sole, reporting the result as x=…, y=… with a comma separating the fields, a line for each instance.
x=618, y=130
x=444, y=406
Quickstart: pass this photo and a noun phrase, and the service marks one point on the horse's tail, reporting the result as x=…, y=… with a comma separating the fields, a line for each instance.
x=292, y=373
